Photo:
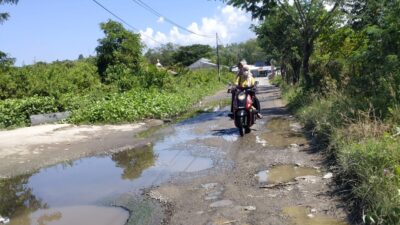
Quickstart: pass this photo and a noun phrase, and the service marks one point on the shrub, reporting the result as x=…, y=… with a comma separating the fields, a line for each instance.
x=16, y=112
x=372, y=166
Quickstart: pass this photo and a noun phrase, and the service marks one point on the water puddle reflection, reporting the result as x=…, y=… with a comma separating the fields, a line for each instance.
x=284, y=173
x=75, y=192
x=282, y=133
x=77, y=215
x=302, y=216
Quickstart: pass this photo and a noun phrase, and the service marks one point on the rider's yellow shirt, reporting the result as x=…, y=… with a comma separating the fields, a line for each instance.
x=241, y=81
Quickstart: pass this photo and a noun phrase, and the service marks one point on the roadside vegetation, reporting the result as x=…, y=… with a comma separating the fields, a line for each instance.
x=341, y=77
x=118, y=85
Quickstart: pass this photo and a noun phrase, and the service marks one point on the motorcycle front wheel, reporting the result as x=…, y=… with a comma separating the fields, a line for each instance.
x=240, y=126
x=247, y=130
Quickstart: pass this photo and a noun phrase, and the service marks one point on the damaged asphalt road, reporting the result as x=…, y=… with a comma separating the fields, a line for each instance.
x=198, y=171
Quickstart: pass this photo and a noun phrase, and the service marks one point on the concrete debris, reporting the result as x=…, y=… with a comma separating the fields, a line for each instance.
x=308, y=179
x=4, y=220
x=328, y=176
x=296, y=127
x=294, y=146
x=208, y=198
x=249, y=208
x=157, y=196
x=313, y=211
x=222, y=203
x=209, y=186
x=278, y=185
x=200, y=212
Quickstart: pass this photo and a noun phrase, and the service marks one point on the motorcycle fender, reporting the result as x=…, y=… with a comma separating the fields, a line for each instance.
x=241, y=113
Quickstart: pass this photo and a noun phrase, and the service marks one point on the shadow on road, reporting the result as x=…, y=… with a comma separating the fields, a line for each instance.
x=223, y=132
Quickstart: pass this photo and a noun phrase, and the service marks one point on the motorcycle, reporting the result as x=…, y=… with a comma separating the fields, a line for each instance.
x=243, y=109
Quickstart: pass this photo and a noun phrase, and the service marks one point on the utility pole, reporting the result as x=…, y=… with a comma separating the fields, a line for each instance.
x=218, y=64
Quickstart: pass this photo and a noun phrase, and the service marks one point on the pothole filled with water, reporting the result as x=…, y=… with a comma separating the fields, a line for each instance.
x=83, y=192
x=302, y=216
x=284, y=173
x=281, y=134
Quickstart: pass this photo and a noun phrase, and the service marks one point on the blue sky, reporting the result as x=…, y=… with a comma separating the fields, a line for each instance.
x=47, y=30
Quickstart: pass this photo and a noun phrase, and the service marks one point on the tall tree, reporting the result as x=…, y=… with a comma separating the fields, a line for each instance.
x=4, y=15
x=309, y=17
x=119, y=47
x=187, y=55
x=164, y=53
x=279, y=37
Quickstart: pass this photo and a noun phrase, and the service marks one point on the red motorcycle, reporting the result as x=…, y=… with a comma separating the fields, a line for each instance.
x=244, y=113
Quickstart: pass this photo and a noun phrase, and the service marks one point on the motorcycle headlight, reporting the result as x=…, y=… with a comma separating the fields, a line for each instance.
x=241, y=96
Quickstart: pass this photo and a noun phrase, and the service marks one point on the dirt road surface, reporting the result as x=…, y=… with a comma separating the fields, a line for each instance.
x=276, y=179
x=198, y=171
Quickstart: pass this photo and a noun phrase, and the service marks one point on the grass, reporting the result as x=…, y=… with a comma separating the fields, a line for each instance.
x=362, y=146
x=175, y=96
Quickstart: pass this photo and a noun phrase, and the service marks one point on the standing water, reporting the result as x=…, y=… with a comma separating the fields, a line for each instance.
x=74, y=193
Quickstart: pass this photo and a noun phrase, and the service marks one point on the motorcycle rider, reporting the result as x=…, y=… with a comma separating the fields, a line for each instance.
x=245, y=79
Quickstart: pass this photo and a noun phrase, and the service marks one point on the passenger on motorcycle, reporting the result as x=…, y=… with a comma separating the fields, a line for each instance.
x=245, y=79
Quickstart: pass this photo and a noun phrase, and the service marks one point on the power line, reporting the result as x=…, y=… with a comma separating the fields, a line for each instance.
x=124, y=22
x=153, y=11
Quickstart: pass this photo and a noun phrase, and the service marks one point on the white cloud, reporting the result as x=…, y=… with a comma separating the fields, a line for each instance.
x=160, y=20
x=231, y=24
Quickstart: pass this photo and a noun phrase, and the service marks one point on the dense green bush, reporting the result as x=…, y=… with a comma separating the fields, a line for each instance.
x=16, y=112
x=153, y=101
x=150, y=93
x=53, y=79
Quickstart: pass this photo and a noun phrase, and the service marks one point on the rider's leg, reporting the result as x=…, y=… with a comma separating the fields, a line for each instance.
x=256, y=104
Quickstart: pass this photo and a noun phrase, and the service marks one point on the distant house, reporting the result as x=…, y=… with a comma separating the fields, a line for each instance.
x=202, y=64
x=257, y=71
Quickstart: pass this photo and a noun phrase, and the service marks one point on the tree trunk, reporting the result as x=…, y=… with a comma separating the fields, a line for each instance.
x=307, y=51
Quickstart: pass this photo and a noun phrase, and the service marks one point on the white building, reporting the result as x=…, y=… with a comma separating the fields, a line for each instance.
x=202, y=64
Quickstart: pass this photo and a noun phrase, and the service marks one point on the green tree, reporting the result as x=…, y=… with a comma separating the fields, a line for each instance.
x=249, y=50
x=119, y=47
x=309, y=17
x=3, y=15
x=187, y=55
x=280, y=38
x=164, y=53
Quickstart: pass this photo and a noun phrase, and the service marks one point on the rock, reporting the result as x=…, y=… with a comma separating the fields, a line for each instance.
x=310, y=215
x=308, y=179
x=209, y=186
x=214, y=194
x=4, y=220
x=157, y=196
x=313, y=211
x=222, y=203
x=167, y=120
x=249, y=208
x=208, y=198
x=296, y=127
x=294, y=145
x=199, y=212
x=328, y=176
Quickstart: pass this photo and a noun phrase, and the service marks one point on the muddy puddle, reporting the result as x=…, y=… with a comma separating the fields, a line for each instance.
x=282, y=132
x=76, y=192
x=284, y=173
x=302, y=216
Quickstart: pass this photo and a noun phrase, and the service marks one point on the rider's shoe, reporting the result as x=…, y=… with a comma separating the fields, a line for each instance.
x=259, y=116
